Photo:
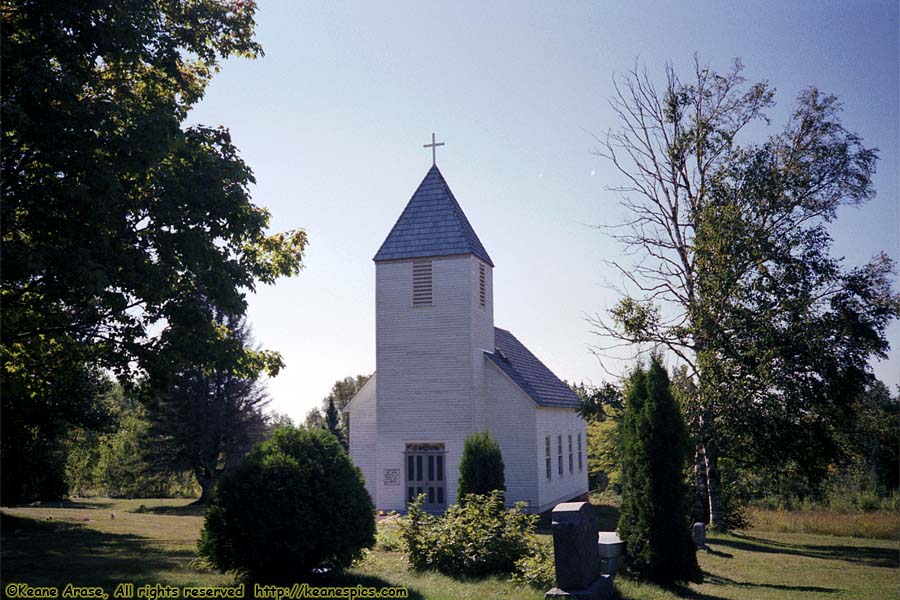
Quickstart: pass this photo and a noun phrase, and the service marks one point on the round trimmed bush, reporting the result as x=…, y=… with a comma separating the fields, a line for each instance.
x=295, y=504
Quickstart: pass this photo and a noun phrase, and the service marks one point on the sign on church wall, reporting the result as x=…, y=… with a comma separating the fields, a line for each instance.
x=392, y=477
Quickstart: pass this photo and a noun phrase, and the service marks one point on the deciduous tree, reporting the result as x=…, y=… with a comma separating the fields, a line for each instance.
x=603, y=409
x=734, y=274
x=121, y=227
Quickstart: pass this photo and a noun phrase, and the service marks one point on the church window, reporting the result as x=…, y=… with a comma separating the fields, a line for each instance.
x=482, y=286
x=580, y=459
x=547, y=451
x=571, y=463
x=422, y=283
x=559, y=453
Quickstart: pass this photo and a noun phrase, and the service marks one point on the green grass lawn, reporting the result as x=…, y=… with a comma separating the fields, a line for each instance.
x=154, y=541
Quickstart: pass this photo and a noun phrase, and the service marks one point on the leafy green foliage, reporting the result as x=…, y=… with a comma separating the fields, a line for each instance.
x=599, y=403
x=329, y=416
x=123, y=469
x=537, y=568
x=481, y=469
x=115, y=462
x=604, y=455
x=121, y=228
x=874, y=445
x=864, y=478
x=475, y=539
x=654, y=520
x=602, y=408
x=388, y=537
x=39, y=417
x=295, y=504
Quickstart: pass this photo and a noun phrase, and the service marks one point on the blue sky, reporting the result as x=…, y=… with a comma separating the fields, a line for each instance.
x=333, y=118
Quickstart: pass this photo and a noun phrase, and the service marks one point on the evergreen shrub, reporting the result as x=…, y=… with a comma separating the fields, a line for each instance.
x=481, y=469
x=297, y=503
x=654, y=522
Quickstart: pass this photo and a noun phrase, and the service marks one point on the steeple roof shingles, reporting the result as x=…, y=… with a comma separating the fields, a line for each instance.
x=432, y=224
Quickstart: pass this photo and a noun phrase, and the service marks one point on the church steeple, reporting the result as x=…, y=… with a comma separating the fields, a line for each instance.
x=432, y=224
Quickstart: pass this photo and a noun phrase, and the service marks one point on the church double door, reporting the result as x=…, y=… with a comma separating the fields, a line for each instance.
x=425, y=474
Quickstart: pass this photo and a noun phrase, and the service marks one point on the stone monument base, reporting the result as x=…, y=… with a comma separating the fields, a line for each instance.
x=601, y=589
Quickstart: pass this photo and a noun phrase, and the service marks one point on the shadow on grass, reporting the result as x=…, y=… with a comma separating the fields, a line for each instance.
x=56, y=553
x=871, y=556
x=677, y=590
x=722, y=580
x=712, y=552
x=75, y=504
x=188, y=510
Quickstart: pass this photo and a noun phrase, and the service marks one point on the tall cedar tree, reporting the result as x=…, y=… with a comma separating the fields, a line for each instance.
x=654, y=522
x=333, y=421
x=208, y=420
x=116, y=217
x=481, y=469
x=733, y=271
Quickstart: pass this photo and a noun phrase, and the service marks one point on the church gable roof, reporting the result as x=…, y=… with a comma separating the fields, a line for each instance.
x=432, y=224
x=529, y=373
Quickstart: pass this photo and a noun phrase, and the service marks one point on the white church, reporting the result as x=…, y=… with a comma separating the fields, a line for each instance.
x=443, y=371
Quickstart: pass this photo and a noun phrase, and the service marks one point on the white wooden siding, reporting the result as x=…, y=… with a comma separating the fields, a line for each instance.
x=362, y=432
x=555, y=422
x=510, y=416
x=482, y=334
x=434, y=385
x=424, y=357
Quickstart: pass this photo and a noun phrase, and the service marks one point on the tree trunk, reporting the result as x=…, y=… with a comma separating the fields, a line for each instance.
x=700, y=507
x=207, y=483
x=714, y=487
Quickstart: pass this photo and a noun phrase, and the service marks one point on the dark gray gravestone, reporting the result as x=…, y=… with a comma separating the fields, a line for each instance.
x=575, y=554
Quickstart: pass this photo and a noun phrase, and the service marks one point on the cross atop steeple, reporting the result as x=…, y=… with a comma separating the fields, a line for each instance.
x=433, y=145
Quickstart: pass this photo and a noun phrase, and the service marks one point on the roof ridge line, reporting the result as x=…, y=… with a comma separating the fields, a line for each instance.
x=457, y=208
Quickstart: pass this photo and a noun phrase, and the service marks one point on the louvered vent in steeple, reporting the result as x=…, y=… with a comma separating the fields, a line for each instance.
x=423, y=283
